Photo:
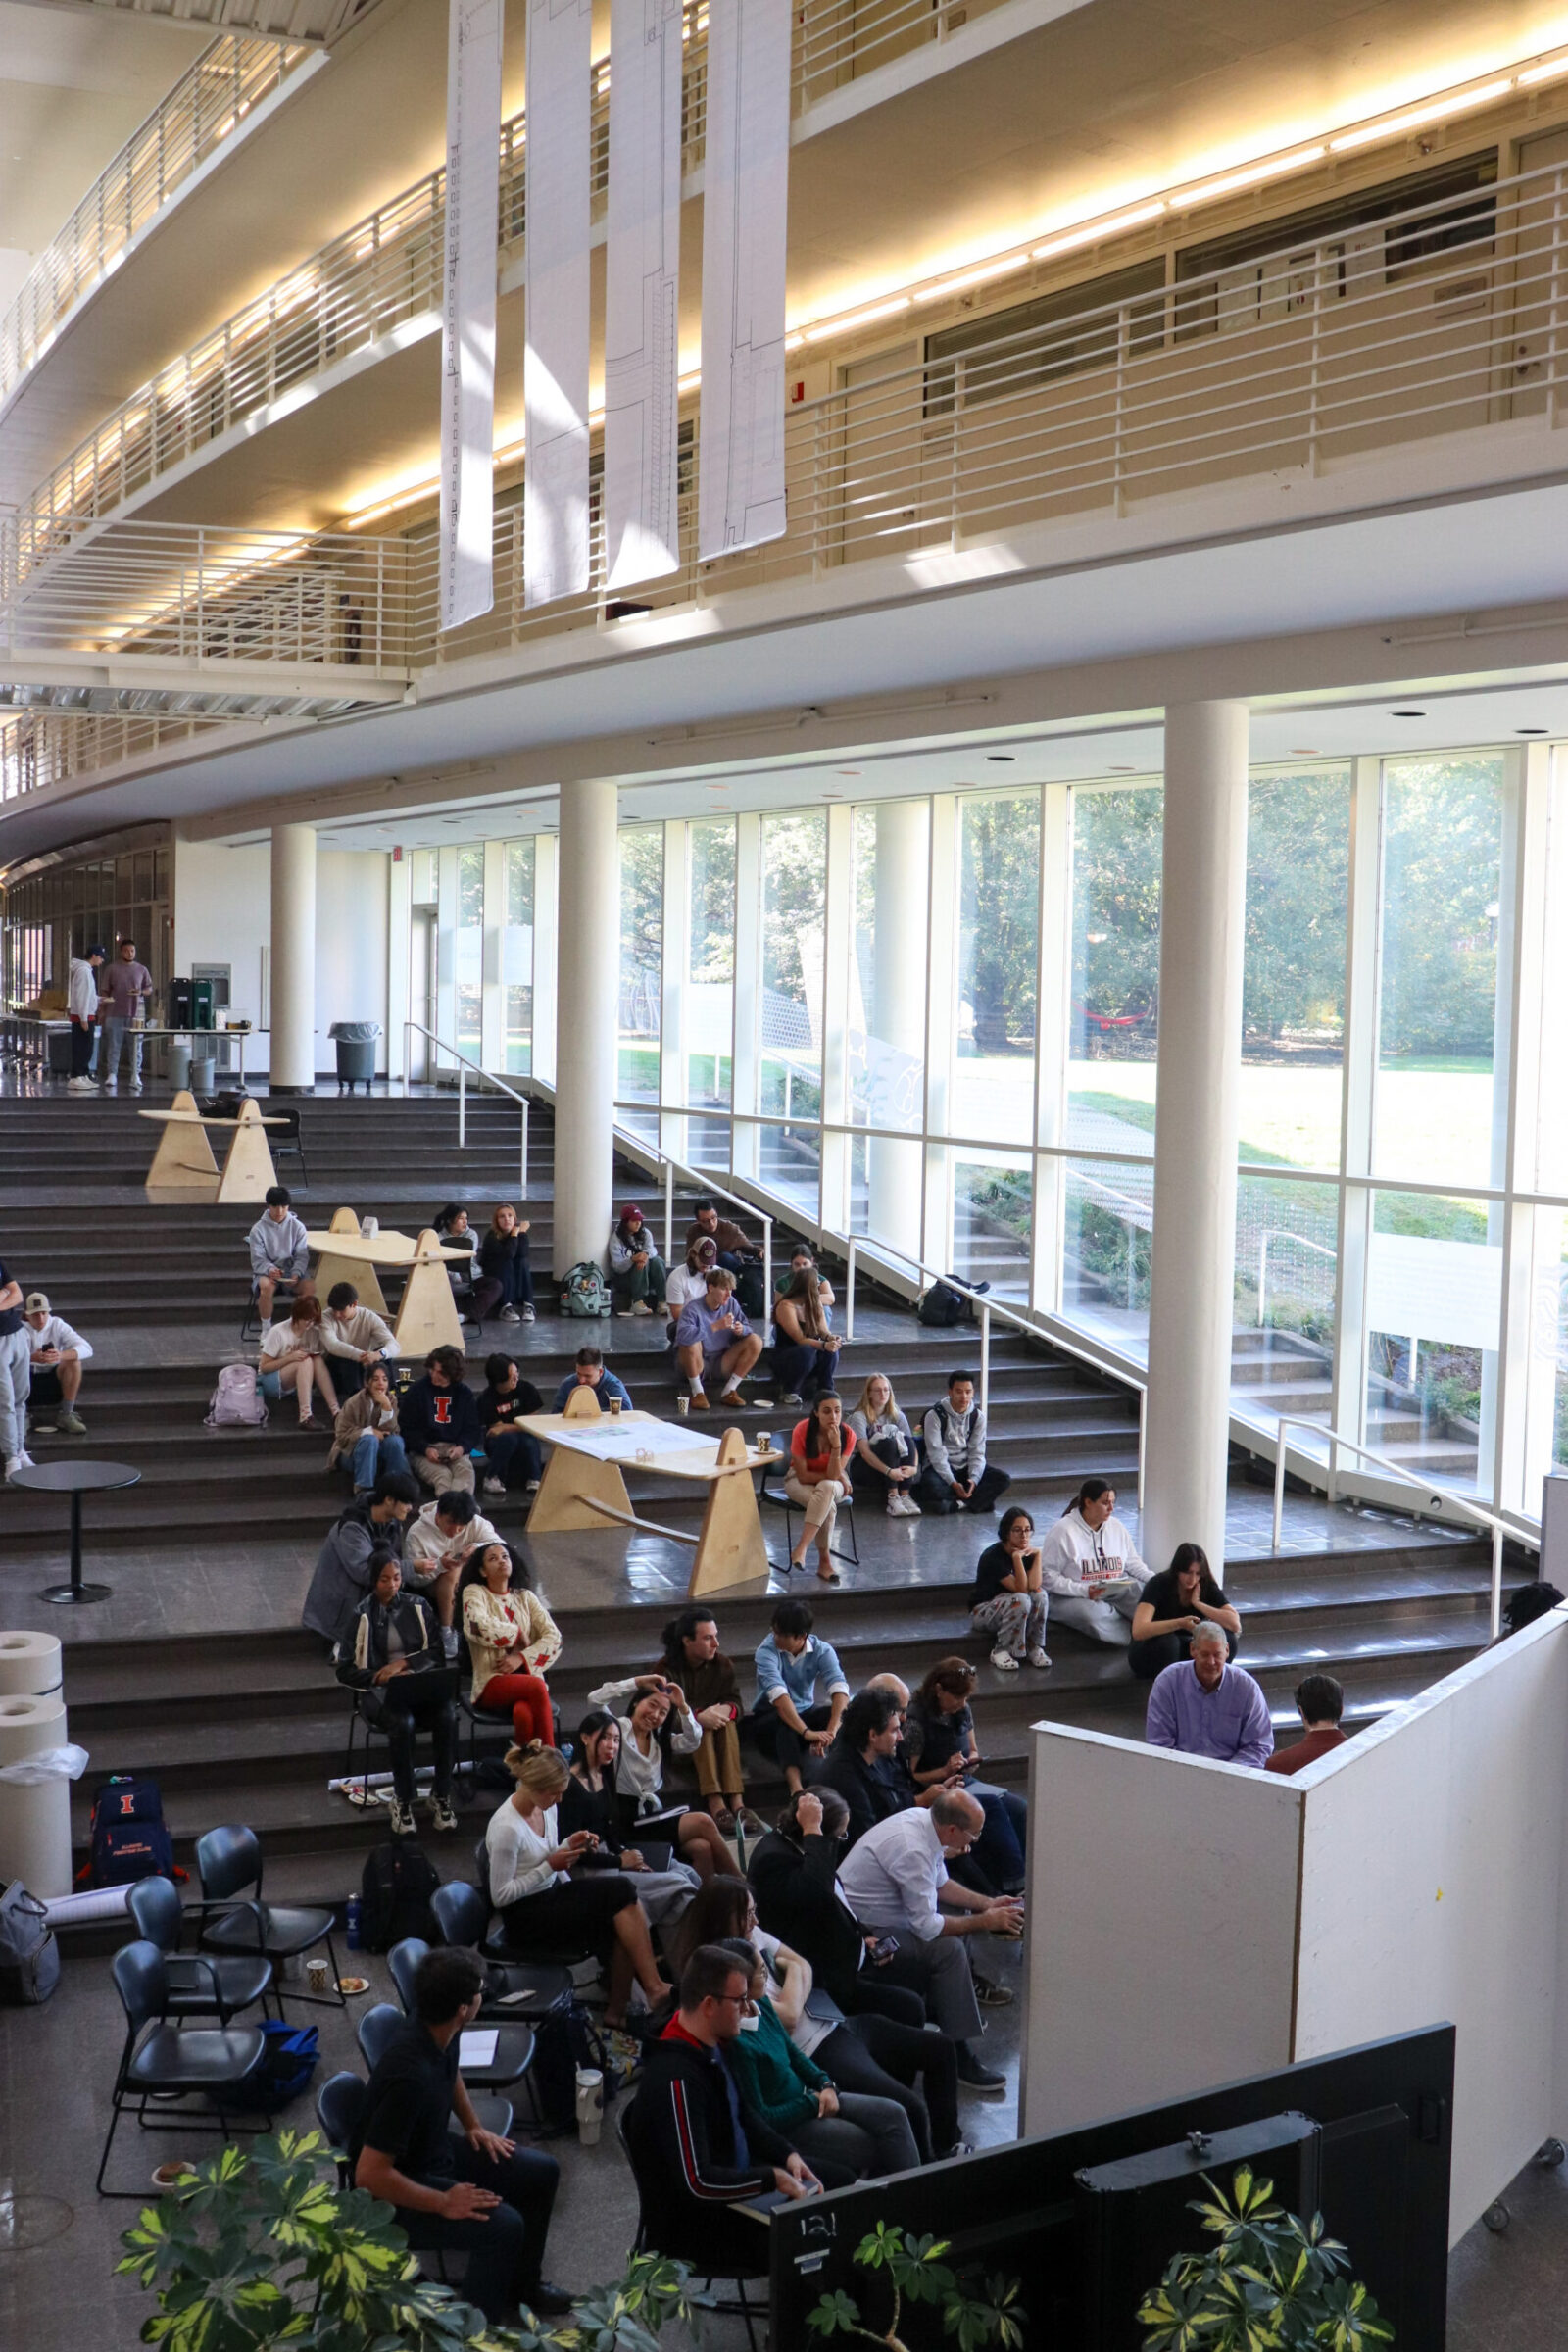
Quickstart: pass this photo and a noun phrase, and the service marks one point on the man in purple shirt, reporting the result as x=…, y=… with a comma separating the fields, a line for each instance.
x=124, y=987
x=1208, y=1708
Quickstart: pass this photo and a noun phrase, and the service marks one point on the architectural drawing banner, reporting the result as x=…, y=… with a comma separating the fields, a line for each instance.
x=555, y=377
x=469, y=320
x=641, y=300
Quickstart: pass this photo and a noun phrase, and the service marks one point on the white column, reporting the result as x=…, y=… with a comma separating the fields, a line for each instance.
x=542, y=1045
x=838, y=955
x=1202, y=901
x=898, y=1013
x=587, y=993
x=675, y=956
x=292, y=1059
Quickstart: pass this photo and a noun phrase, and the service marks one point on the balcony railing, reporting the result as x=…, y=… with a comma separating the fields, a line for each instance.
x=1450, y=320
x=385, y=272
x=210, y=100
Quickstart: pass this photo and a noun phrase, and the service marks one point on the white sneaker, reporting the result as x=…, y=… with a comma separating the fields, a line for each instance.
x=509, y=1314
x=1038, y=1657
x=528, y=1314
x=79, y=1086
x=110, y=1084
x=403, y=1822
x=136, y=1086
x=493, y=1486
x=904, y=1506
x=640, y=1306
x=12, y=1462
x=1004, y=1661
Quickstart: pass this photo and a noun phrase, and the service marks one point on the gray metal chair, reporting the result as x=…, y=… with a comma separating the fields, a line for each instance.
x=198, y=1985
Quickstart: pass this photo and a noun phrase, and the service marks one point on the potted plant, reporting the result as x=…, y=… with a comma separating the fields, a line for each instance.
x=917, y=2272
x=261, y=2248
x=1271, y=2284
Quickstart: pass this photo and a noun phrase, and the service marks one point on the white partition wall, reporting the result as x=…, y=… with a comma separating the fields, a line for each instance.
x=1191, y=1923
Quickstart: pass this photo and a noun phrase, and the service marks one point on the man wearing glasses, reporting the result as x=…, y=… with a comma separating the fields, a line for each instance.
x=695, y=2153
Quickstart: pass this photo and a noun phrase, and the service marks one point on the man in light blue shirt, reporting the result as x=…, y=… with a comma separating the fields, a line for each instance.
x=1204, y=1707
x=792, y=1664
x=714, y=1337
x=592, y=1373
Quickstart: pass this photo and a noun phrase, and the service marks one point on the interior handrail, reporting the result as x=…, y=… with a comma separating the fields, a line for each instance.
x=465, y=1063
x=1438, y=1487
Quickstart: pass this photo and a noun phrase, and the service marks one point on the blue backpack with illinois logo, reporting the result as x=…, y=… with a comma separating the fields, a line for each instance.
x=131, y=1838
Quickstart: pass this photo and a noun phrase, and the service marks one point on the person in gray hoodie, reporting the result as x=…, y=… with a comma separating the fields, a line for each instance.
x=957, y=1476
x=279, y=1252
x=370, y=1523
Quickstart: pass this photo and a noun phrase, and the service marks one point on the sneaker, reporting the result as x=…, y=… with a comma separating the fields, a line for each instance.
x=990, y=1994
x=110, y=1085
x=900, y=1506
x=792, y=1397
x=1039, y=1657
x=640, y=1306
x=960, y=2147
x=73, y=1423
x=402, y=1819
x=493, y=1486
x=977, y=2077
x=509, y=1314
x=1004, y=1661
x=532, y=1488
x=528, y=1314
x=79, y=1086
x=442, y=1817
x=546, y=2302
x=12, y=1462
x=136, y=1086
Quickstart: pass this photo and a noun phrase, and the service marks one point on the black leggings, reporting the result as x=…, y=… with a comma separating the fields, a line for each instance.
x=893, y=1452
x=873, y=2055
x=580, y=1912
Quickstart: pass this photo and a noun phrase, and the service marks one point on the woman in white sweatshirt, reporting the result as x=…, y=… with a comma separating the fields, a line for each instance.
x=1089, y=1564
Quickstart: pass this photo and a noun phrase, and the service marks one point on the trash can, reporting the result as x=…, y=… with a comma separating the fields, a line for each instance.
x=56, y=1047
x=34, y=1814
x=179, y=1064
x=202, y=1071
x=356, y=1053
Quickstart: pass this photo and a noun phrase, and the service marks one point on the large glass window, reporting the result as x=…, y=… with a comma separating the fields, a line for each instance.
x=517, y=959
x=1118, y=842
x=993, y=1091
x=642, y=937
x=1293, y=996
x=1434, y=1312
x=886, y=1012
x=468, y=949
x=1287, y=1258
x=1107, y=1250
x=790, y=1046
x=710, y=966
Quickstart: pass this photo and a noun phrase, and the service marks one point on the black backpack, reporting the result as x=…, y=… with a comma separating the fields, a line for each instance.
x=943, y=1306
x=564, y=2039
x=131, y=1838
x=751, y=1290
x=395, y=1891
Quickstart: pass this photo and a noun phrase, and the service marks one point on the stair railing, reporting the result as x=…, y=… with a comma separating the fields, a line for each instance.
x=1436, y=1488
x=465, y=1063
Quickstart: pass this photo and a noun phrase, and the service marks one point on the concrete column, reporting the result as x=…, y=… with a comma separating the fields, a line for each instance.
x=292, y=1061
x=896, y=1047
x=587, y=994
x=1203, y=903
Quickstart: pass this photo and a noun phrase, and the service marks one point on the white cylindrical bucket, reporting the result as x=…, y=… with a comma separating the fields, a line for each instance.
x=29, y=1663
x=590, y=2104
x=35, y=1821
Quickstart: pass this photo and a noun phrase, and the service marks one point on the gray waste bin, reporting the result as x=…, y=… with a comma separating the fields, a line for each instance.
x=203, y=1072
x=356, y=1053
x=179, y=1064
x=56, y=1047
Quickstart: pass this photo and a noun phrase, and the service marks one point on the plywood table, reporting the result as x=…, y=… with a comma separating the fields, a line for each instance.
x=183, y=1161
x=583, y=1485
x=334, y=1267
x=428, y=1316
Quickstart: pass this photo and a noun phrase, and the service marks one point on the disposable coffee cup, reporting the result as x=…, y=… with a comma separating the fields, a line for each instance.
x=683, y=1405
x=369, y=1227
x=590, y=2105
x=614, y=1409
x=764, y=1441
x=317, y=1975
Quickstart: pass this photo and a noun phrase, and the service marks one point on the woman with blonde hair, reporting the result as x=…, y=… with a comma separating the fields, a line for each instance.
x=543, y=1905
x=504, y=1278
x=294, y=1355
x=885, y=1461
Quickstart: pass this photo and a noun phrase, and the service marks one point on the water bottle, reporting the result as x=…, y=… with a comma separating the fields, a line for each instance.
x=354, y=1945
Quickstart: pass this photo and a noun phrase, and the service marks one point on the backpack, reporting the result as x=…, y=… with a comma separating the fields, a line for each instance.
x=395, y=1891
x=564, y=2039
x=237, y=1402
x=131, y=1838
x=29, y=1957
x=584, y=1291
x=288, y=2060
x=750, y=1289
x=943, y=1306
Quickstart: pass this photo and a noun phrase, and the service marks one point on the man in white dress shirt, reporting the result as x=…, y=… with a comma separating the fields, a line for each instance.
x=1089, y=1564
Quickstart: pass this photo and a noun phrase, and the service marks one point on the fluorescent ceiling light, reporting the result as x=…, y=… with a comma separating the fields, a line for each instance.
x=974, y=278
x=855, y=319
x=1552, y=72
x=1093, y=230
x=1251, y=177
x=1434, y=112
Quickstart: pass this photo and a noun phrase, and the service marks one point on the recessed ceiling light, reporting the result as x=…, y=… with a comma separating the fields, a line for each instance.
x=1305, y=750
x=1532, y=730
x=1408, y=715
x=1007, y=756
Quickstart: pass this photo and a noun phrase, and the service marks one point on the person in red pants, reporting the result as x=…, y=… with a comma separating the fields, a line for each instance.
x=513, y=1640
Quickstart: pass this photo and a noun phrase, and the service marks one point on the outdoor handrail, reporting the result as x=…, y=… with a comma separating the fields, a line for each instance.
x=465, y=1063
x=1434, y=1485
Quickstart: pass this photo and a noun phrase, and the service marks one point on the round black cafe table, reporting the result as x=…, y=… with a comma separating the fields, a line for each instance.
x=75, y=1478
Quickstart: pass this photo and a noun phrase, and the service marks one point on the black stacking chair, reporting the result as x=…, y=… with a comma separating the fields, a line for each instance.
x=163, y=2060
x=843, y=1523
x=403, y=1961
x=625, y=2133
x=236, y=1919
x=375, y=2030
x=339, y=2110
x=286, y=1138
x=249, y=1322
x=463, y=1916
x=198, y=1985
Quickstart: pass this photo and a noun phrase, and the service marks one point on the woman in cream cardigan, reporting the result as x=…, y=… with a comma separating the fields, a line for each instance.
x=513, y=1640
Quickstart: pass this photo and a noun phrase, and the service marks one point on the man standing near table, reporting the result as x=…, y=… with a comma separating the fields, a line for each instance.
x=81, y=1002
x=126, y=986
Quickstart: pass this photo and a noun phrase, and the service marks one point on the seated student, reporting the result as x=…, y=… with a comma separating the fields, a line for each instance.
x=817, y=1479
x=1170, y=1608
x=392, y=1654
x=365, y=1434
x=279, y=1252
x=689, y=1280
x=806, y=1353
x=512, y=1642
x=512, y=1454
x=545, y=1900
x=792, y=1662
x=439, y=1419
x=505, y=1276
x=1320, y=1702
x=589, y=1801
x=56, y=1354
x=714, y=1340
x=868, y=1764
x=372, y=1523
x=1089, y=1565
x=294, y=1355
x=479, y=2194
x=453, y=1231
x=592, y=1372
x=847, y=2132
x=884, y=1461
x=957, y=1476
x=694, y=2153
x=732, y=1245
x=1207, y=1707
x=1006, y=1600
x=439, y=1543
x=355, y=1337
x=940, y=1750
x=643, y=1705
x=637, y=1275
x=803, y=1262
x=694, y=1664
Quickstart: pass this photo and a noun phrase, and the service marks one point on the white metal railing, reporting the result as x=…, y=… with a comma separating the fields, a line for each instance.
x=211, y=98
x=465, y=1063
x=1436, y=1488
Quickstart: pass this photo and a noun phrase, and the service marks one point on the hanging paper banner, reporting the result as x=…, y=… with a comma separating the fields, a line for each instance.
x=744, y=210
x=469, y=320
x=642, y=293
x=555, y=372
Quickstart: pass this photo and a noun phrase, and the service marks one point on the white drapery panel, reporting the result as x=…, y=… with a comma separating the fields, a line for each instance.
x=554, y=380
x=469, y=318
x=745, y=209
x=642, y=298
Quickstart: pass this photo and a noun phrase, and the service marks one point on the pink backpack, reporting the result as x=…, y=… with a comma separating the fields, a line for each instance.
x=237, y=1402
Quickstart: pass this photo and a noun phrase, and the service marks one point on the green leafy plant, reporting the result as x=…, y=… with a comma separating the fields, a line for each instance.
x=261, y=2248
x=917, y=2274
x=1272, y=2283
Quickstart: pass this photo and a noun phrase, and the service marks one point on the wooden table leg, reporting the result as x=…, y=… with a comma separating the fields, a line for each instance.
x=248, y=1171
x=568, y=1477
x=427, y=1316
x=730, y=1550
x=356, y=1271
x=184, y=1160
